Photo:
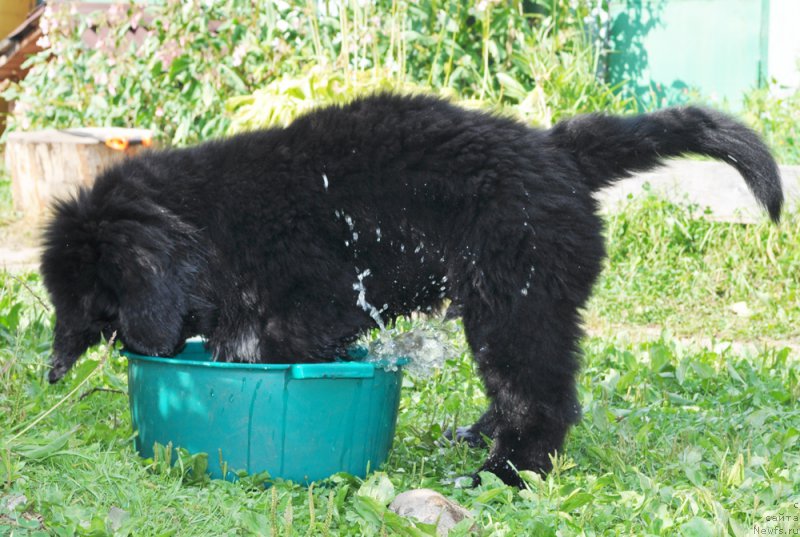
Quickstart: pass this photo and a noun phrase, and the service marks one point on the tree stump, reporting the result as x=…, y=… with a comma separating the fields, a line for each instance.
x=52, y=164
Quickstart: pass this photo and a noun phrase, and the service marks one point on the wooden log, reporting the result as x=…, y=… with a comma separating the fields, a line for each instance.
x=50, y=164
x=713, y=185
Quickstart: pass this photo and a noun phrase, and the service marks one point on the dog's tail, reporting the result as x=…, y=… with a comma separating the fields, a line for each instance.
x=612, y=147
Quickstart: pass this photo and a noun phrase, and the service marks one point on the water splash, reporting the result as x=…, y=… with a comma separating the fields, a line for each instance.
x=426, y=346
x=361, y=301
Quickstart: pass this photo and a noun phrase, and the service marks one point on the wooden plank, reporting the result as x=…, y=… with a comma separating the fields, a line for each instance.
x=82, y=135
x=47, y=165
x=714, y=185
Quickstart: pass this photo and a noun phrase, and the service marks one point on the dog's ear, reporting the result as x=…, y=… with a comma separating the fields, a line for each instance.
x=146, y=268
x=115, y=260
x=68, y=345
x=152, y=305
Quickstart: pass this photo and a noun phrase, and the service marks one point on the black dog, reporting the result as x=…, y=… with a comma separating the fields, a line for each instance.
x=285, y=245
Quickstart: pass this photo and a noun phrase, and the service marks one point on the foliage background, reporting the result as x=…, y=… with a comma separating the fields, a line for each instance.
x=205, y=68
x=534, y=56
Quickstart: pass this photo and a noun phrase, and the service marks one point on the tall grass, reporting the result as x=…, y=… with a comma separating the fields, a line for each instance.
x=535, y=60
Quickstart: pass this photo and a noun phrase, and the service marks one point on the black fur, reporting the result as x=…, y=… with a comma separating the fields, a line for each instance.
x=263, y=242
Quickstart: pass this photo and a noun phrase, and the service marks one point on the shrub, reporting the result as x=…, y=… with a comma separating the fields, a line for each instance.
x=174, y=78
x=536, y=64
x=777, y=117
x=534, y=57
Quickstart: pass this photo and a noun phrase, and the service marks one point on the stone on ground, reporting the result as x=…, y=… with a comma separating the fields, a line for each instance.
x=430, y=507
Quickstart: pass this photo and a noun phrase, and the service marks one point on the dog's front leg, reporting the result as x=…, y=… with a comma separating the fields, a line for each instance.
x=476, y=435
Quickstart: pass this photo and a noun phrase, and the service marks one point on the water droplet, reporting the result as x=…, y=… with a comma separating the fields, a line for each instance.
x=362, y=299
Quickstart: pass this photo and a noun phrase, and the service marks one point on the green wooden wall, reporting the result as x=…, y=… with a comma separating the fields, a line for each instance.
x=664, y=50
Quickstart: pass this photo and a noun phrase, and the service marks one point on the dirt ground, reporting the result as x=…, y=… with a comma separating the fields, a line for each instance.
x=19, y=245
x=19, y=237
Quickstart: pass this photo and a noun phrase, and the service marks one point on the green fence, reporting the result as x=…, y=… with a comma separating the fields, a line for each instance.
x=664, y=51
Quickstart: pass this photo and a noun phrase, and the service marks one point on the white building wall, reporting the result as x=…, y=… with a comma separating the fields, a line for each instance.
x=784, y=42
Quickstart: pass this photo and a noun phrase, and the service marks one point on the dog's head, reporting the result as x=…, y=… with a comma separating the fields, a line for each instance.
x=114, y=262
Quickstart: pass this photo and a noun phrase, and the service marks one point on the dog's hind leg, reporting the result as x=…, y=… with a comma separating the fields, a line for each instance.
x=528, y=359
x=521, y=298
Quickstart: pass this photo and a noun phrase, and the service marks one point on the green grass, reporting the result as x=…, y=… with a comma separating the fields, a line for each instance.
x=676, y=439
x=669, y=266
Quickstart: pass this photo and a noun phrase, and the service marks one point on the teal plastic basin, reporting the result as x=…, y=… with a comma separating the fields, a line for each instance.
x=301, y=422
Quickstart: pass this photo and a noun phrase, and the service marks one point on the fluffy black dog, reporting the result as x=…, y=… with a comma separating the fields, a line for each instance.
x=284, y=245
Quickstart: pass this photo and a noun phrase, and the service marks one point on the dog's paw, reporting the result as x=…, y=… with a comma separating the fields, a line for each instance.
x=57, y=372
x=502, y=469
x=465, y=434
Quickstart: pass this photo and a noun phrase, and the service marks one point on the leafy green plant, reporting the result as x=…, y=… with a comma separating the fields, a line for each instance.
x=776, y=114
x=546, y=69
x=284, y=99
x=173, y=78
x=557, y=80
x=195, y=57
